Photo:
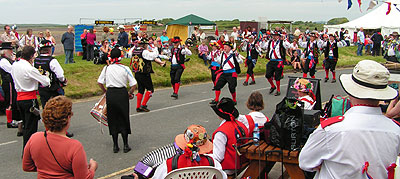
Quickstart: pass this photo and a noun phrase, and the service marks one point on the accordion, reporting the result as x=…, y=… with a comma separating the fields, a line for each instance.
x=147, y=165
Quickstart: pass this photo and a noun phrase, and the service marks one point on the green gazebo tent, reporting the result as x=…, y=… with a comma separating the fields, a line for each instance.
x=183, y=27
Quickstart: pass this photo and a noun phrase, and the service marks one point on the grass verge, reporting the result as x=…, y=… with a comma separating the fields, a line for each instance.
x=82, y=75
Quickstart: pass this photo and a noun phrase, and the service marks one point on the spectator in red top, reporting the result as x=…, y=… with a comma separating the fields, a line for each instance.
x=90, y=38
x=221, y=41
x=51, y=153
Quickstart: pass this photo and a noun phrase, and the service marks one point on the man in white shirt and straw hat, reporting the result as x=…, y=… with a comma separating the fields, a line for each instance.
x=363, y=143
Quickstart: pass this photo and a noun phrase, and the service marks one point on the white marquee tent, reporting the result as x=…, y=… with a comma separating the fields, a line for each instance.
x=375, y=19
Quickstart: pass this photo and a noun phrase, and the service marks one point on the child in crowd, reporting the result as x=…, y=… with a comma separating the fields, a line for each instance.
x=255, y=103
x=296, y=61
x=305, y=94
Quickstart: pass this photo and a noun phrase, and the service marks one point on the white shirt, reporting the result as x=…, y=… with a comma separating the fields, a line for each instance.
x=339, y=44
x=226, y=37
x=310, y=47
x=234, y=35
x=274, y=45
x=223, y=55
x=258, y=118
x=116, y=76
x=184, y=51
x=5, y=65
x=341, y=149
x=214, y=55
x=25, y=40
x=26, y=77
x=162, y=170
x=219, y=146
x=306, y=100
x=150, y=55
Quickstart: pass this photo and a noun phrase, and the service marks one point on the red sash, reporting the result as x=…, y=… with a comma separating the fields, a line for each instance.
x=26, y=95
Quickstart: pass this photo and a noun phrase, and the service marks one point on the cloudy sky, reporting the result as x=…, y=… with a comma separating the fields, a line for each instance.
x=70, y=11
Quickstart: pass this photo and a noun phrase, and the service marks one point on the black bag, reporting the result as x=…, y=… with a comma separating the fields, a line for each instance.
x=285, y=130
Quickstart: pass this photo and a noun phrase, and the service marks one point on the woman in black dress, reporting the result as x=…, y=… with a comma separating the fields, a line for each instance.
x=115, y=76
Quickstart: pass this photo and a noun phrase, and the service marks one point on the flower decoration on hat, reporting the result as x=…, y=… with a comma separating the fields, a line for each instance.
x=45, y=43
x=214, y=43
x=228, y=44
x=195, y=137
x=303, y=85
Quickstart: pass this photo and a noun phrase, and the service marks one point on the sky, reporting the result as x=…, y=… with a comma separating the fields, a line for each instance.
x=70, y=11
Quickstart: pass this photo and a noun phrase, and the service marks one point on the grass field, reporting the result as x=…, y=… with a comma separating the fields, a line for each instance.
x=82, y=75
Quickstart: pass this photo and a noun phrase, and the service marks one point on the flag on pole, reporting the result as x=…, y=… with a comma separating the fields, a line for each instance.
x=216, y=31
x=349, y=3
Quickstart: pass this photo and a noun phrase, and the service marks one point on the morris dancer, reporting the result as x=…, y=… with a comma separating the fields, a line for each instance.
x=331, y=56
x=46, y=64
x=311, y=53
x=10, y=94
x=213, y=57
x=227, y=73
x=26, y=79
x=141, y=66
x=177, y=60
x=253, y=50
x=276, y=53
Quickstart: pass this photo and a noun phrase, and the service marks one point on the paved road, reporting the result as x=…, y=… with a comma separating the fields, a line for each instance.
x=149, y=130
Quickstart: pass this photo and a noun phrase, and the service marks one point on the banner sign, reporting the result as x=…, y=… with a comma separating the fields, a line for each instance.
x=103, y=22
x=148, y=22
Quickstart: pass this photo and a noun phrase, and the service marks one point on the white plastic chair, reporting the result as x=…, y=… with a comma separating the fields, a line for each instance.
x=200, y=172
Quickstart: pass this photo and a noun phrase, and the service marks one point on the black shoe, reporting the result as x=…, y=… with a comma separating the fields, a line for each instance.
x=245, y=83
x=235, y=102
x=140, y=109
x=11, y=125
x=333, y=81
x=70, y=134
x=252, y=83
x=295, y=71
x=174, y=95
x=326, y=80
x=272, y=90
x=127, y=148
x=19, y=134
x=213, y=102
x=144, y=108
x=116, y=149
x=277, y=93
x=165, y=64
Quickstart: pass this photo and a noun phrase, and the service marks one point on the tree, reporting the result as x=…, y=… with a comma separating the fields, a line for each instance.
x=339, y=20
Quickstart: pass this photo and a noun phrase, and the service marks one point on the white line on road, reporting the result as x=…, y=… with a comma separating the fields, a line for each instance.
x=266, y=88
x=5, y=143
x=170, y=107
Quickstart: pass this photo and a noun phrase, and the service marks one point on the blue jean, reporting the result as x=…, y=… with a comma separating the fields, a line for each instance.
x=204, y=57
x=69, y=56
x=359, y=49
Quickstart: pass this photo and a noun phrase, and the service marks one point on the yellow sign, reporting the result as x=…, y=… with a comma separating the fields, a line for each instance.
x=148, y=22
x=103, y=22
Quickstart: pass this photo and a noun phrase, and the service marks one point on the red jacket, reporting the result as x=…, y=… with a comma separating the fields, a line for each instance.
x=231, y=131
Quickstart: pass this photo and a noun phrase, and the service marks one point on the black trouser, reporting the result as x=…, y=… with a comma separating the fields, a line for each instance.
x=29, y=119
x=176, y=74
x=250, y=66
x=226, y=78
x=213, y=74
x=7, y=88
x=46, y=95
x=144, y=82
x=274, y=69
x=330, y=64
x=307, y=68
x=90, y=52
x=84, y=55
x=376, y=49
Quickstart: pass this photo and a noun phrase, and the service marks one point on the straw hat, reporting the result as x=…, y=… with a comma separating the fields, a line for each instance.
x=368, y=81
